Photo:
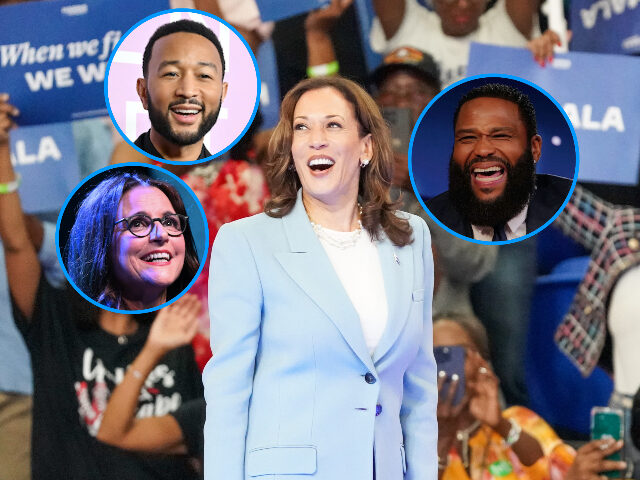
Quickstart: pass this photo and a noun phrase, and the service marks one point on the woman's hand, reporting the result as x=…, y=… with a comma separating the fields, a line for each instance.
x=448, y=414
x=484, y=403
x=175, y=325
x=542, y=46
x=323, y=19
x=590, y=460
x=7, y=112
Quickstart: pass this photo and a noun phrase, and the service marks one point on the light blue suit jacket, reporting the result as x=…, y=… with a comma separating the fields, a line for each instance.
x=291, y=388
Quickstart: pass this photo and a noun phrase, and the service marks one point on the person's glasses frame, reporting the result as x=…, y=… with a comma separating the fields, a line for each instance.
x=167, y=222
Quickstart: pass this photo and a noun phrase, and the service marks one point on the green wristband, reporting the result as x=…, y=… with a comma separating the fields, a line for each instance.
x=323, y=70
x=11, y=187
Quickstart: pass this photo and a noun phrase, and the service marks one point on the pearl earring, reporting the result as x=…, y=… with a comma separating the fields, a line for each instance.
x=364, y=163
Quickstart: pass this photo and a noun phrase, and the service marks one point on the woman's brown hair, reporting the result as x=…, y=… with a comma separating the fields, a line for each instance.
x=378, y=210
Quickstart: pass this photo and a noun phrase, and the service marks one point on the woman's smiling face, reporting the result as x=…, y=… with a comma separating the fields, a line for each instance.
x=144, y=267
x=327, y=146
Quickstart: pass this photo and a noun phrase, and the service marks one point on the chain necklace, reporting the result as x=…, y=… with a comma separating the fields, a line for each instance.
x=463, y=437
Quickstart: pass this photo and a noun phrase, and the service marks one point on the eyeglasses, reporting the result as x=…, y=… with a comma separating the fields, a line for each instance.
x=141, y=225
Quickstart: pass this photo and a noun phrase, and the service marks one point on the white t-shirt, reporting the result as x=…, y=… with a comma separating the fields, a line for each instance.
x=359, y=270
x=422, y=29
x=624, y=319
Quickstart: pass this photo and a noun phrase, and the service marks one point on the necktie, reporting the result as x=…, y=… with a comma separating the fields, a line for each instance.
x=499, y=234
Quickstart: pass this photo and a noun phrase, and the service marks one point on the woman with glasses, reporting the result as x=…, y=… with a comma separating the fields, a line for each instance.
x=131, y=247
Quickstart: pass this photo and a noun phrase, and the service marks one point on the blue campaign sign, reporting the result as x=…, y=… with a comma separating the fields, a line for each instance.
x=45, y=157
x=599, y=94
x=274, y=10
x=270, y=91
x=606, y=26
x=55, y=72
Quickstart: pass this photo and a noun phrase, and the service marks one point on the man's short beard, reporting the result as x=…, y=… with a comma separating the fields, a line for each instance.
x=160, y=123
x=521, y=181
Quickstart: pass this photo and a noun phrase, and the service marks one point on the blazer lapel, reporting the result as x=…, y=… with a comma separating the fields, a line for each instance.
x=397, y=272
x=309, y=266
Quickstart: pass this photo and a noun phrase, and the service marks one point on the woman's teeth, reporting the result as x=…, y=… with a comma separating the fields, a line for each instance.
x=321, y=163
x=157, y=257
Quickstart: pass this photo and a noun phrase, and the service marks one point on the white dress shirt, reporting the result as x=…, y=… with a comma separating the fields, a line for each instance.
x=515, y=228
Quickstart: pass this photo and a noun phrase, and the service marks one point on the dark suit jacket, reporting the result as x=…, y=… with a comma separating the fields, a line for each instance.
x=551, y=192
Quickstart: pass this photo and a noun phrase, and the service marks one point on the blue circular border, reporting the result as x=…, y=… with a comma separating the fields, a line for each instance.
x=171, y=176
x=517, y=79
x=217, y=154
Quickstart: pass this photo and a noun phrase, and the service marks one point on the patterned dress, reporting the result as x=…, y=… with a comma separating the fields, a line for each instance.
x=491, y=459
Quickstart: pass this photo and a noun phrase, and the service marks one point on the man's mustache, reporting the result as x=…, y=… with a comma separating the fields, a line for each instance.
x=186, y=101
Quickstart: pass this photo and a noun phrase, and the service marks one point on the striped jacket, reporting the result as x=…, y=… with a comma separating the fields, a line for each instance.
x=612, y=234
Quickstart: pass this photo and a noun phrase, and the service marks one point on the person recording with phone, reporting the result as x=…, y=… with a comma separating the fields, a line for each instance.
x=475, y=436
x=477, y=439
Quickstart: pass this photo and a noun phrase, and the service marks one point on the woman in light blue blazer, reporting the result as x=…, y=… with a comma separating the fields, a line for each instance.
x=320, y=309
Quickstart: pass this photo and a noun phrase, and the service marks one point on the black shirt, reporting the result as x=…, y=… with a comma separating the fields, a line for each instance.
x=75, y=368
x=144, y=142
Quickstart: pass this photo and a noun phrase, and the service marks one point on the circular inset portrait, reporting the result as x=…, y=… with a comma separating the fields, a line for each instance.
x=182, y=86
x=493, y=159
x=132, y=238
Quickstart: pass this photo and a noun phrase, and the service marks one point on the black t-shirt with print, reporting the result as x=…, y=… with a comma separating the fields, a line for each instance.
x=75, y=367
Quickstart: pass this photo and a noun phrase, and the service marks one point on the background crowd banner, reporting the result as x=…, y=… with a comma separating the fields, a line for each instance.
x=270, y=87
x=45, y=157
x=598, y=92
x=55, y=72
x=606, y=26
x=273, y=10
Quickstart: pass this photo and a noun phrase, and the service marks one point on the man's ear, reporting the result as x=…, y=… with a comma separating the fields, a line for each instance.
x=141, y=88
x=536, y=147
x=225, y=86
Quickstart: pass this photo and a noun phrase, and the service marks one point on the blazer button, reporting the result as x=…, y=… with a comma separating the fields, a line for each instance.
x=369, y=378
x=378, y=409
x=634, y=244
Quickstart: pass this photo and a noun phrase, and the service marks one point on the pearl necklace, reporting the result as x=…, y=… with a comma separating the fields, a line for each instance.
x=340, y=240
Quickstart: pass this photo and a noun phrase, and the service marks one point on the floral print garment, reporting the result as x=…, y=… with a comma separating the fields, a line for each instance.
x=228, y=191
x=491, y=459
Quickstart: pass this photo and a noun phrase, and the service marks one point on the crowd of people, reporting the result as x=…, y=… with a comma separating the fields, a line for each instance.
x=87, y=392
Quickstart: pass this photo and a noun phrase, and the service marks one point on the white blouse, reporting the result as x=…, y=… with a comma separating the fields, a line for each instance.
x=359, y=270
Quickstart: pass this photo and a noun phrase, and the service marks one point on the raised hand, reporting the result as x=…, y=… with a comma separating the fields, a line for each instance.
x=7, y=114
x=324, y=19
x=542, y=46
x=484, y=402
x=175, y=325
x=448, y=414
